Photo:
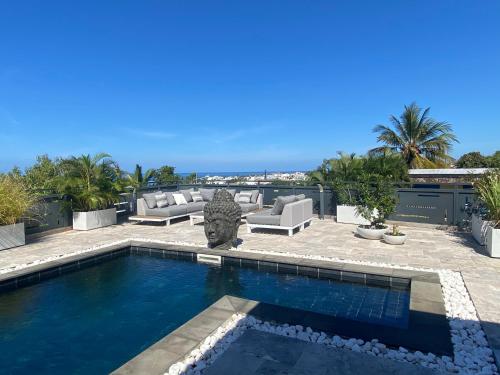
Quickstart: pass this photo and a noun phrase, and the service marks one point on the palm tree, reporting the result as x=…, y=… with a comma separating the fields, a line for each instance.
x=422, y=141
x=347, y=167
x=92, y=182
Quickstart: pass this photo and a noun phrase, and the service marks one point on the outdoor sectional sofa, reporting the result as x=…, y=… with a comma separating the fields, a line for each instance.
x=146, y=206
x=288, y=213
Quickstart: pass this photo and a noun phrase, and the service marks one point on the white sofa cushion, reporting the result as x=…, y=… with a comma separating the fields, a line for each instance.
x=179, y=198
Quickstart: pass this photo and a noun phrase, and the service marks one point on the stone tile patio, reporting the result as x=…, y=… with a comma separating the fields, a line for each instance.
x=425, y=247
x=259, y=353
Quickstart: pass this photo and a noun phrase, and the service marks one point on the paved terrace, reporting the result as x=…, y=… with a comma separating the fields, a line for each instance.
x=425, y=247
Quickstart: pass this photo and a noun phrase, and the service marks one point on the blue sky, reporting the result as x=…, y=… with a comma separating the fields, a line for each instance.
x=237, y=86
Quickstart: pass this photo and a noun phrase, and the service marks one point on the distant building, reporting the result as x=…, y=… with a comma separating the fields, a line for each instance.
x=446, y=175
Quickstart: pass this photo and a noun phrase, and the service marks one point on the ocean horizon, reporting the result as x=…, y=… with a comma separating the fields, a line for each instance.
x=239, y=174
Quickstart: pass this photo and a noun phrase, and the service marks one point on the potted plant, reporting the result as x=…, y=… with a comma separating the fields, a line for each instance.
x=15, y=201
x=92, y=184
x=377, y=201
x=488, y=191
x=395, y=237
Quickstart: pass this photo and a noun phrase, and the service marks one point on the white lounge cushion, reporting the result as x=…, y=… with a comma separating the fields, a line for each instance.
x=179, y=198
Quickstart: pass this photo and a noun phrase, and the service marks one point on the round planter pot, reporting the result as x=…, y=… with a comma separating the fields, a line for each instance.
x=394, y=240
x=371, y=233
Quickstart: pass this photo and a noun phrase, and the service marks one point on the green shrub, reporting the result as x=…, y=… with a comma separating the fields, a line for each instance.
x=377, y=200
x=488, y=191
x=15, y=199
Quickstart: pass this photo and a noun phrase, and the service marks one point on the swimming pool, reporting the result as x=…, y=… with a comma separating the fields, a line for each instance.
x=93, y=320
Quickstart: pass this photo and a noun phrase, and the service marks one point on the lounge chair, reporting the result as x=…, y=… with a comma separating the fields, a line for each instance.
x=295, y=214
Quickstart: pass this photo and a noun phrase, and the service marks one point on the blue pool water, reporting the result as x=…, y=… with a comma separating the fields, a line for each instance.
x=93, y=320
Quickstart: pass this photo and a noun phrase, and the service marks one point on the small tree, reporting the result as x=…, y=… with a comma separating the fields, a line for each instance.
x=165, y=175
x=377, y=200
x=191, y=178
x=44, y=173
x=472, y=160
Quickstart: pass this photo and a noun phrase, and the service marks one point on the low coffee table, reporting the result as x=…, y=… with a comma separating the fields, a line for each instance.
x=199, y=216
x=196, y=216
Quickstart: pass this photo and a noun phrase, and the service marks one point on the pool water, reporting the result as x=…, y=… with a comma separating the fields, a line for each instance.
x=93, y=320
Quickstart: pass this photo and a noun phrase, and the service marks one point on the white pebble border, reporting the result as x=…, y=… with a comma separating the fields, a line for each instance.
x=471, y=352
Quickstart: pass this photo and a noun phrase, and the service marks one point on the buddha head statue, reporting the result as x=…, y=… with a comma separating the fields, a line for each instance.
x=222, y=219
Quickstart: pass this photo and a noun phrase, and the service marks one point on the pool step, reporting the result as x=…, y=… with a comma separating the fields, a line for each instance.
x=210, y=259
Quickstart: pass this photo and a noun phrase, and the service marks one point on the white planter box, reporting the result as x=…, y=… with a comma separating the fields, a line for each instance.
x=493, y=242
x=94, y=219
x=12, y=236
x=349, y=215
x=479, y=228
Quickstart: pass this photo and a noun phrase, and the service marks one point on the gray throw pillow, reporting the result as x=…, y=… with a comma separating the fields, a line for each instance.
x=207, y=194
x=170, y=198
x=255, y=195
x=161, y=200
x=150, y=199
x=187, y=194
x=300, y=197
x=244, y=197
x=280, y=203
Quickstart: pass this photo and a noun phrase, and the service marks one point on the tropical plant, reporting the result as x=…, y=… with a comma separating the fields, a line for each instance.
x=488, y=191
x=347, y=167
x=472, y=160
x=16, y=199
x=137, y=179
x=92, y=182
x=422, y=141
x=395, y=231
x=387, y=164
x=376, y=200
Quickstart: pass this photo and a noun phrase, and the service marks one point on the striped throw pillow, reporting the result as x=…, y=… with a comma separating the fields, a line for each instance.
x=196, y=195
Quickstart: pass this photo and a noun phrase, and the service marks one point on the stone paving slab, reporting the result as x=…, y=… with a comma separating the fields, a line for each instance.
x=260, y=353
x=425, y=247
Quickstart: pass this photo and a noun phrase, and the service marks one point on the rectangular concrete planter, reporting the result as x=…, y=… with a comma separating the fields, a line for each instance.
x=12, y=236
x=94, y=219
x=479, y=228
x=493, y=242
x=349, y=215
